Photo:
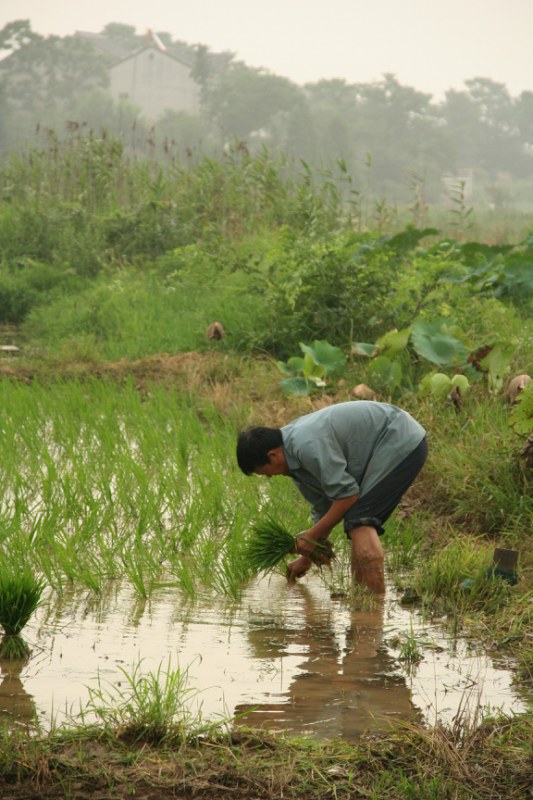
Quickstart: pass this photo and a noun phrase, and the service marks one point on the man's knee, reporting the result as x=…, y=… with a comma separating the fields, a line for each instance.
x=365, y=542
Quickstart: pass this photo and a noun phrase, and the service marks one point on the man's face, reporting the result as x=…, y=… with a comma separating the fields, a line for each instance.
x=277, y=464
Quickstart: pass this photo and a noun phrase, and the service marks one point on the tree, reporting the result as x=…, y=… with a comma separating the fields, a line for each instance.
x=399, y=128
x=244, y=100
x=43, y=77
x=486, y=128
x=16, y=35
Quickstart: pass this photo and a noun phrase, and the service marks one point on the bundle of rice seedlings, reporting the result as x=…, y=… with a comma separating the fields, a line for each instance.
x=20, y=595
x=271, y=541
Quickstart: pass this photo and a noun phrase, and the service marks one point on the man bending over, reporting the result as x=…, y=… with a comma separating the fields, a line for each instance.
x=351, y=461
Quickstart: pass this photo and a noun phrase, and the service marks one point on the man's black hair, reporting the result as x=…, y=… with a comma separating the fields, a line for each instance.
x=253, y=446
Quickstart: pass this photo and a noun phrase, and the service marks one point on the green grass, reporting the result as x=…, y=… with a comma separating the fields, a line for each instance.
x=20, y=596
x=150, y=707
x=474, y=469
x=135, y=314
x=101, y=482
x=456, y=578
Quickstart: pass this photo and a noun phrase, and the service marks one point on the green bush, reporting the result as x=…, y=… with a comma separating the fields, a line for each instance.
x=25, y=284
x=324, y=289
x=16, y=298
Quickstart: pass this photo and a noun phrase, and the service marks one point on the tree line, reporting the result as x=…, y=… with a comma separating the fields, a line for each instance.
x=386, y=139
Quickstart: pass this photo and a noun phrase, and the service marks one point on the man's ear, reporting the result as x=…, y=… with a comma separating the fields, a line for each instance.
x=273, y=455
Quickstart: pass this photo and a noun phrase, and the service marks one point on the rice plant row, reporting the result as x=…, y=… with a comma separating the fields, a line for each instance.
x=101, y=483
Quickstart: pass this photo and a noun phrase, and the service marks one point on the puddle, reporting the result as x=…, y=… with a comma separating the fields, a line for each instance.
x=289, y=658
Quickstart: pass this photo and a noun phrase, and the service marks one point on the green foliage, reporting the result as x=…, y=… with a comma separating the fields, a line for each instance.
x=504, y=272
x=496, y=363
x=404, y=540
x=439, y=385
x=390, y=344
x=392, y=363
x=435, y=342
x=476, y=478
x=150, y=708
x=105, y=253
x=132, y=314
x=458, y=578
x=326, y=289
x=385, y=374
x=522, y=414
x=244, y=99
x=320, y=361
x=25, y=284
x=399, y=130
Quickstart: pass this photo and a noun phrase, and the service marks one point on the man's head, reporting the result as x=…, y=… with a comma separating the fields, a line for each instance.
x=260, y=450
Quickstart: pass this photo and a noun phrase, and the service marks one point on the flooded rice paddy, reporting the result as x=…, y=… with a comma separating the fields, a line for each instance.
x=286, y=658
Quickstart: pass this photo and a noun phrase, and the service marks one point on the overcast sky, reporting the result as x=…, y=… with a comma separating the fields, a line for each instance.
x=430, y=45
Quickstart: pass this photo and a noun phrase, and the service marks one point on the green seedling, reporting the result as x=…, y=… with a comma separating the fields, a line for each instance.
x=20, y=595
x=271, y=541
x=410, y=648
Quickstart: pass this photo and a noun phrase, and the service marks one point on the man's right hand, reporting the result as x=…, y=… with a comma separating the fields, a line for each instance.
x=298, y=568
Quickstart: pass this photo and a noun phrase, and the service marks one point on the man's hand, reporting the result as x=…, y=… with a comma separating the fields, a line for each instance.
x=298, y=568
x=305, y=543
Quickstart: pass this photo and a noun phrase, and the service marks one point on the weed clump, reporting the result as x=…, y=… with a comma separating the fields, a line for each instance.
x=20, y=595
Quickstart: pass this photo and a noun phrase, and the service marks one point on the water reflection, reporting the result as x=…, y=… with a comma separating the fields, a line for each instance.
x=291, y=657
x=346, y=682
x=17, y=707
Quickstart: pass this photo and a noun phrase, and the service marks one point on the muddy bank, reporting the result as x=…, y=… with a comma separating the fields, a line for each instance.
x=491, y=761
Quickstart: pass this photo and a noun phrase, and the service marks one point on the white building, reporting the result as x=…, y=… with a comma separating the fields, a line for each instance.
x=155, y=81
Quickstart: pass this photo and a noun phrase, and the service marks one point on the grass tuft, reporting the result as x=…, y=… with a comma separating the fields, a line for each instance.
x=150, y=707
x=14, y=648
x=20, y=595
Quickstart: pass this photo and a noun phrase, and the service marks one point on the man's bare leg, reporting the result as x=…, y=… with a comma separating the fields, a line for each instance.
x=367, y=558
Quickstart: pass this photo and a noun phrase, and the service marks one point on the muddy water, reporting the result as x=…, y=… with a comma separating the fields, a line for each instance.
x=287, y=658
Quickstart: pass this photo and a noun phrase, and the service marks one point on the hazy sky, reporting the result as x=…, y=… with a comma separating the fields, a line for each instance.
x=427, y=44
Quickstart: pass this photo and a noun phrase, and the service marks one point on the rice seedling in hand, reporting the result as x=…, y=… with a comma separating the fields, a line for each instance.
x=20, y=595
x=271, y=541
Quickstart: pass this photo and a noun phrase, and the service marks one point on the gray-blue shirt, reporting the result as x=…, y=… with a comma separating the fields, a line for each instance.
x=347, y=448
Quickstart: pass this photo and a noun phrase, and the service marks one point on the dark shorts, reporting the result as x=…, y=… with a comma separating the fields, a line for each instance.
x=375, y=506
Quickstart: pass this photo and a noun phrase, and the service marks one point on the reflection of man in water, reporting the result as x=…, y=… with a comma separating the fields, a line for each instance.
x=351, y=461
x=344, y=687
x=17, y=707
